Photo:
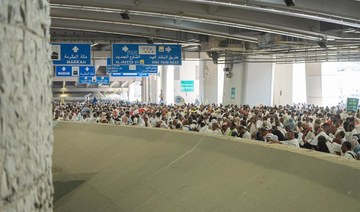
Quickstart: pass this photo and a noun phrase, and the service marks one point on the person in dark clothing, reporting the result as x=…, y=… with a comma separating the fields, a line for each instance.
x=321, y=145
x=279, y=134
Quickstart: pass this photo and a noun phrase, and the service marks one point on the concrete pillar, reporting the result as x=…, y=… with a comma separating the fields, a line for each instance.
x=158, y=87
x=289, y=84
x=163, y=77
x=283, y=84
x=153, y=94
x=169, y=98
x=330, y=84
x=259, y=84
x=143, y=90
x=313, y=83
x=209, y=82
x=322, y=84
x=234, y=85
x=25, y=106
x=190, y=70
x=98, y=63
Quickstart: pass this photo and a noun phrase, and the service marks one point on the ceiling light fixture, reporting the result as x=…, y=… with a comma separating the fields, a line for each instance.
x=289, y=3
x=125, y=15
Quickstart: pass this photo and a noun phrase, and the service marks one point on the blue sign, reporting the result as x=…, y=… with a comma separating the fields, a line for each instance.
x=146, y=54
x=63, y=71
x=87, y=80
x=130, y=68
x=130, y=74
x=103, y=80
x=86, y=71
x=95, y=80
x=71, y=54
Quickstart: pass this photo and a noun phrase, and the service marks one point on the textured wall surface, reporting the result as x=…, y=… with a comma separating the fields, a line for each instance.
x=25, y=112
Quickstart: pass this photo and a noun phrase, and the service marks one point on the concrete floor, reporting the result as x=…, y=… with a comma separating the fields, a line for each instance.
x=112, y=168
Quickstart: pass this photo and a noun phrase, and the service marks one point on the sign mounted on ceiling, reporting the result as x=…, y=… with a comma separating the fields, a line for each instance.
x=86, y=71
x=71, y=54
x=74, y=71
x=66, y=71
x=105, y=80
x=130, y=68
x=130, y=74
x=146, y=54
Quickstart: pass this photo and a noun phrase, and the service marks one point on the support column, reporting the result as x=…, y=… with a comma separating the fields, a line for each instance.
x=314, y=83
x=283, y=84
x=259, y=84
x=143, y=90
x=234, y=85
x=25, y=106
x=169, y=97
x=163, y=87
x=210, y=82
x=289, y=84
x=322, y=84
x=330, y=81
x=153, y=94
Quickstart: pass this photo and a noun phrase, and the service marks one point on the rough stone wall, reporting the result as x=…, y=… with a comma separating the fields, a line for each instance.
x=25, y=106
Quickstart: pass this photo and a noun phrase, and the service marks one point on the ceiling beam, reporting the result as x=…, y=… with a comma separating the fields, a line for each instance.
x=281, y=23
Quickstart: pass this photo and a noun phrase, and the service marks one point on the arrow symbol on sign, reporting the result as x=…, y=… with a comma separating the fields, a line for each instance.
x=63, y=68
x=75, y=49
x=168, y=49
x=87, y=69
x=125, y=48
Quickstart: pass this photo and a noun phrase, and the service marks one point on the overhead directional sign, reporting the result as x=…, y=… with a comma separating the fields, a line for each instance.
x=87, y=80
x=146, y=54
x=130, y=74
x=71, y=54
x=66, y=71
x=105, y=80
x=130, y=68
x=86, y=71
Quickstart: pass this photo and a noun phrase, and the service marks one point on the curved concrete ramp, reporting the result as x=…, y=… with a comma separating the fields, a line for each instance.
x=110, y=168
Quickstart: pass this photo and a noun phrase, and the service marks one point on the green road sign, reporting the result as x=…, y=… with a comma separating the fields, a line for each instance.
x=352, y=104
x=187, y=85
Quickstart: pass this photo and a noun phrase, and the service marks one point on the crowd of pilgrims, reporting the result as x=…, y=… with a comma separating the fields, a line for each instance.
x=331, y=130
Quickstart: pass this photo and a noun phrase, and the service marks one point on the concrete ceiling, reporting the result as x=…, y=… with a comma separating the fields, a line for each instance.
x=229, y=31
x=237, y=27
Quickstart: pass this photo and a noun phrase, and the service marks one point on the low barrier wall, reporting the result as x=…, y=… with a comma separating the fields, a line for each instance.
x=111, y=168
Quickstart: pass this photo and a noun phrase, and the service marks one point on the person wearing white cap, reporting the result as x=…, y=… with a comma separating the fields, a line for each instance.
x=291, y=140
x=267, y=135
